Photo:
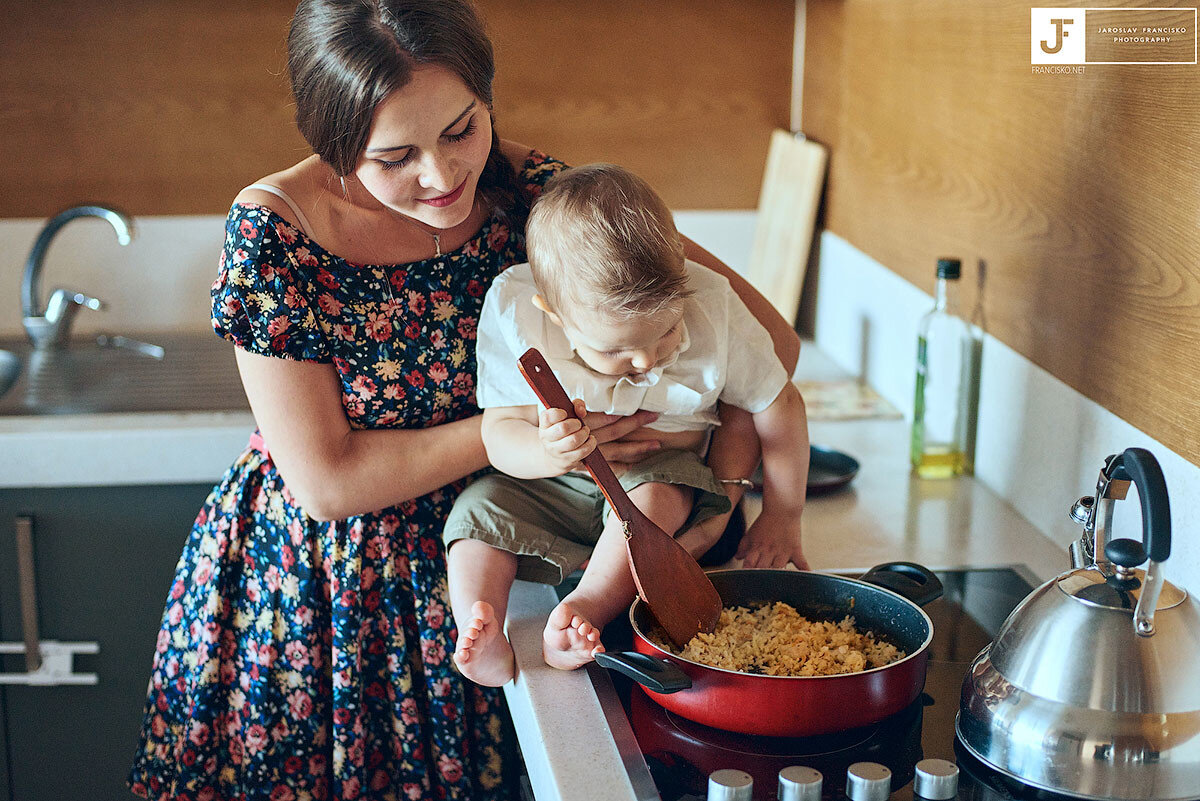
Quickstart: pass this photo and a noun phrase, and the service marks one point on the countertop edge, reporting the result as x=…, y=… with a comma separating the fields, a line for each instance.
x=120, y=449
x=552, y=708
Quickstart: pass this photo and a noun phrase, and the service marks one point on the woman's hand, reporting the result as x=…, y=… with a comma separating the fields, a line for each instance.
x=610, y=430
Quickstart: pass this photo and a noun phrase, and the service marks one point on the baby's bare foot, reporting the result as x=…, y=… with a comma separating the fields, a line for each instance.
x=483, y=654
x=569, y=641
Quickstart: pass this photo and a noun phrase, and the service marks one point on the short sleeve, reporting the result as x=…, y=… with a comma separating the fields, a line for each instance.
x=755, y=375
x=538, y=169
x=498, y=345
x=259, y=302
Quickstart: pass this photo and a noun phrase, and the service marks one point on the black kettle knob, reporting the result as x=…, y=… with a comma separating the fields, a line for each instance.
x=1126, y=553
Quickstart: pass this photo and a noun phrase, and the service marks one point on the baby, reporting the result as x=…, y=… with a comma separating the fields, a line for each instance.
x=626, y=324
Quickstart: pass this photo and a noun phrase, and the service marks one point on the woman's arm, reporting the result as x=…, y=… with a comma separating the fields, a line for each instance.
x=785, y=338
x=335, y=471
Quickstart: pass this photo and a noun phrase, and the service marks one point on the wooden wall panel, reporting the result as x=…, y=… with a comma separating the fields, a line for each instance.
x=1081, y=192
x=170, y=106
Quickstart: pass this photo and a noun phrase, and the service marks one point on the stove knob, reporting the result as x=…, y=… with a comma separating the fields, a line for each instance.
x=730, y=785
x=799, y=784
x=868, y=781
x=936, y=780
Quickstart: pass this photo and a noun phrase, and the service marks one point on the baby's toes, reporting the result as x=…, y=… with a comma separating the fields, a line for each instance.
x=462, y=651
x=589, y=639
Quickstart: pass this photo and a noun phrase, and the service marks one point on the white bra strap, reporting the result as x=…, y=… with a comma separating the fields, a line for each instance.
x=275, y=190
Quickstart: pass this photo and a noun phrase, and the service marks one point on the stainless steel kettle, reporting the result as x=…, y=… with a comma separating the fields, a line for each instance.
x=1090, y=688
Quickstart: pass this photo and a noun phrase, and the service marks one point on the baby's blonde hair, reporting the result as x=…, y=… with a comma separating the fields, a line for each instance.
x=599, y=237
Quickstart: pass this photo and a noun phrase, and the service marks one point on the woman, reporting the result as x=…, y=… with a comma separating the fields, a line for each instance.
x=304, y=652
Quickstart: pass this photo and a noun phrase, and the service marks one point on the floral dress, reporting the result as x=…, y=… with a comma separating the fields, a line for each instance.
x=311, y=660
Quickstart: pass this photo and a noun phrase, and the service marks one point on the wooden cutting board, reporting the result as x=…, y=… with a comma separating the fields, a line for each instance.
x=787, y=212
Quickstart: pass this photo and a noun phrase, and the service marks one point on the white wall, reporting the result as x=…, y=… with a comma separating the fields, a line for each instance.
x=160, y=281
x=1041, y=444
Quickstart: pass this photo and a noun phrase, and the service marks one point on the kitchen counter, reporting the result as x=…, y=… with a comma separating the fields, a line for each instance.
x=89, y=415
x=573, y=752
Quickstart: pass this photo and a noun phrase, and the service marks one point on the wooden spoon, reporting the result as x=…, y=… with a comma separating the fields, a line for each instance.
x=673, y=586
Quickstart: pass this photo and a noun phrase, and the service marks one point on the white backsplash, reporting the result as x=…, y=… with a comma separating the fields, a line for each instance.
x=160, y=281
x=1041, y=444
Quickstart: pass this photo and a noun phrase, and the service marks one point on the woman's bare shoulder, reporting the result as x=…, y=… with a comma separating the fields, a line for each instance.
x=515, y=152
x=300, y=182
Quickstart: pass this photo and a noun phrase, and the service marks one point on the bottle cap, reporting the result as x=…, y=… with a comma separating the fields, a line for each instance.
x=949, y=269
x=798, y=783
x=936, y=779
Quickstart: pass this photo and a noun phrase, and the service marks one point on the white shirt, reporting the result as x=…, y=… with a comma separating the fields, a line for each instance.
x=724, y=354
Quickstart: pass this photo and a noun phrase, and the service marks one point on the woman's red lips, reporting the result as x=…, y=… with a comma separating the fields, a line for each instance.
x=445, y=200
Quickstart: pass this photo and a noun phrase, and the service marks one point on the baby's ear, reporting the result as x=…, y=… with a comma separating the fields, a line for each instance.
x=541, y=303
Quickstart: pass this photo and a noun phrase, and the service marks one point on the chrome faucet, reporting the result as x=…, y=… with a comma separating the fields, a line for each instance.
x=51, y=326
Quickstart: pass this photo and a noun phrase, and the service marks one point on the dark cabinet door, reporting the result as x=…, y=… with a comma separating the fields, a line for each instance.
x=104, y=559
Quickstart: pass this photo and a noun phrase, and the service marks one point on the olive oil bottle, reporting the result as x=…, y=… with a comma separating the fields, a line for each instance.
x=947, y=387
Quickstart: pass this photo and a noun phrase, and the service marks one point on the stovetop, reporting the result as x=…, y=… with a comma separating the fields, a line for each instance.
x=680, y=754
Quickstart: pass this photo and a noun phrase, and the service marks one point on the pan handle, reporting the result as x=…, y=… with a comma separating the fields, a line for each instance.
x=915, y=582
x=656, y=675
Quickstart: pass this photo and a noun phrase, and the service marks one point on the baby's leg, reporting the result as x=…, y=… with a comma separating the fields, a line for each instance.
x=606, y=589
x=480, y=577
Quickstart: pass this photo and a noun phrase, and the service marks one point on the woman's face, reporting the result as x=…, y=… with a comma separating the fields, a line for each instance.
x=428, y=144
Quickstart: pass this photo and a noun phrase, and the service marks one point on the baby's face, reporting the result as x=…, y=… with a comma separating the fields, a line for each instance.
x=624, y=347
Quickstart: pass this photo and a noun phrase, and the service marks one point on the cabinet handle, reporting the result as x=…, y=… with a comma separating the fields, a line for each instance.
x=47, y=662
x=25, y=575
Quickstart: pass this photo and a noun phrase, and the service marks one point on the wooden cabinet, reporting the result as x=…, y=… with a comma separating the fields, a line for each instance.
x=104, y=558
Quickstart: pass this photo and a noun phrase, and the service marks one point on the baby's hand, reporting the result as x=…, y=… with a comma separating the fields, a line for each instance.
x=566, y=440
x=773, y=541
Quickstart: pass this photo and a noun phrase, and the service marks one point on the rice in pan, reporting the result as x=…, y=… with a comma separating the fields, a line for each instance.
x=774, y=640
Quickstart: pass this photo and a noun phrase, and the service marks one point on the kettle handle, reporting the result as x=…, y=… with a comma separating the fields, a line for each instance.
x=1139, y=466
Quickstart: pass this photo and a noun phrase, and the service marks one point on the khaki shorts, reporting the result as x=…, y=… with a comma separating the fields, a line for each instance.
x=552, y=524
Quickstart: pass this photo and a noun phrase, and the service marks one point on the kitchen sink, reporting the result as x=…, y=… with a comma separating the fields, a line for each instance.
x=191, y=373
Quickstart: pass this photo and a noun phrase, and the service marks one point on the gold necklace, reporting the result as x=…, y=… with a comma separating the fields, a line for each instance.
x=437, y=238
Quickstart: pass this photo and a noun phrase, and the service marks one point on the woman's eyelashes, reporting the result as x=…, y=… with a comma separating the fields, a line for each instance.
x=464, y=133
x=395, y=165
x=453, y=138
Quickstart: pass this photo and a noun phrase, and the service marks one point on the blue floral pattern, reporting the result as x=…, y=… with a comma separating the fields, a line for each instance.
x=305, y=660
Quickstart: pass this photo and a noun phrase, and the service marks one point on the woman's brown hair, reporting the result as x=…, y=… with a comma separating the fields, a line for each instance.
x=346, y=56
